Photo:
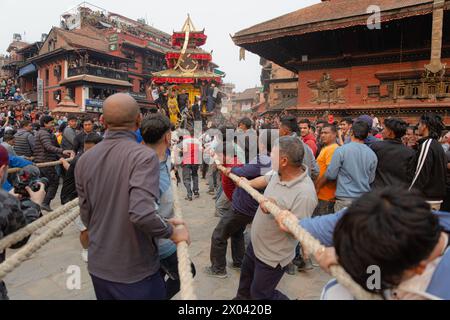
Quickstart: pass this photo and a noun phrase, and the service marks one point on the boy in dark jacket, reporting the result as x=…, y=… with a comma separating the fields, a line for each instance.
x=430, y=162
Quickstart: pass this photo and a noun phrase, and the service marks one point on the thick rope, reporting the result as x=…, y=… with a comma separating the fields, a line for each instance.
x=307, y=240
x=29, y=229
x=23, y=254
x=39, y=165
x=184, y=262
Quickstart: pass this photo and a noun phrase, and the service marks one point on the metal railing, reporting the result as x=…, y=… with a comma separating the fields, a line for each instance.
x=98, y=71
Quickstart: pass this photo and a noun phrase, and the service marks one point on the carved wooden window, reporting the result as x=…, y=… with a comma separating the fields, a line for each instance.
x=415, y=91
x=57, y=72
x=358, y=90
x=374, y=91
x=401, y=92
x=447, y=89
x=57, y=95
x=47, y=76
x=431, y=90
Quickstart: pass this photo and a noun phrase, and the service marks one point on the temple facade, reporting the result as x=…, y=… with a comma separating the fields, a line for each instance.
x=355, y=58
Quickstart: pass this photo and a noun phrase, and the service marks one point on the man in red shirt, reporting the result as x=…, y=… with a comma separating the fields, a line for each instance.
x=307, y=136
x=192, y=158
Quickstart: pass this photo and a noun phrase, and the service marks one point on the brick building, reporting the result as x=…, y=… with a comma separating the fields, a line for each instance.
x=347, y=64
x=93, y=54
x=280, y=87
x=245, y=103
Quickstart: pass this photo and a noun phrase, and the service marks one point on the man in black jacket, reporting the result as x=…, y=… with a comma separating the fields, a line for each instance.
x=394, y=158
x=24, y=140
x=47, y=150
x=78, y=143
x=13, y=216
x=430, y=163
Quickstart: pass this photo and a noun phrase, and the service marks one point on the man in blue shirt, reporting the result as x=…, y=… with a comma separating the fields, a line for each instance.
x=157, y=135
x=353, y=166
x=418, y=263
x=414, y=266
x=233, y=223
x=18, y=162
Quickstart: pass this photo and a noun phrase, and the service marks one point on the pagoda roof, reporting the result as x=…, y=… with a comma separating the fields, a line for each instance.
x=191, y=51
x=178, y=76
x=331, y=15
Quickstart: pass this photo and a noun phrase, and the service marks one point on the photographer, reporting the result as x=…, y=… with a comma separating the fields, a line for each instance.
x=12, y=214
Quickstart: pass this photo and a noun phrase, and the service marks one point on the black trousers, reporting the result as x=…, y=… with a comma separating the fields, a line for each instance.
x=3, y=291
x=190, y=178
x=169, y=269
x=231, y=225
x=258, y=280
x=151, y=288
x=53, y=179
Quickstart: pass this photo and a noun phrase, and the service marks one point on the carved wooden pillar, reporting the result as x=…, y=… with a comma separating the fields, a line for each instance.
x=436, y=65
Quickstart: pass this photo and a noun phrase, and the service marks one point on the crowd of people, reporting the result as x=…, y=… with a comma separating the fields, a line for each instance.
x=372, y=197
x=10, y=90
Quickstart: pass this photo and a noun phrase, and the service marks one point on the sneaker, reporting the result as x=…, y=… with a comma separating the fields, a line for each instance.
x=46, y=207
x=291, y=269
x=305, y=266
x=196, y=195
x=212, y=192
x=188, y=198
x=210, y=273
x=84, y=255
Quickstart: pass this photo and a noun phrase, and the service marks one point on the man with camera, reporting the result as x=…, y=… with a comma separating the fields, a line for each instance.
x=13, y=214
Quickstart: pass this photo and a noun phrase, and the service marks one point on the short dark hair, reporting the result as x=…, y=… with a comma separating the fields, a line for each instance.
x=246, y=122
x=413, y=128
x=434, y=124
x=293, y=149
x=154, y=127
x=303, y=121
x=87, y=119
x=290, y=122
x=331, y=126
x=25, y=123
x=392, y=228
x=347, y=120
x=8, y=136
x=397, y=126
x=360, y=130
x=320, y=121
x=72, y=117
x=45, y=119
x=93, y=138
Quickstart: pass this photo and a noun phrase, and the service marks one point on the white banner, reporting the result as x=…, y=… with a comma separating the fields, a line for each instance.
x=40, y=92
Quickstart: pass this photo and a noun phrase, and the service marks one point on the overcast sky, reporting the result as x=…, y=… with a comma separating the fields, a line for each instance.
x=219, y=18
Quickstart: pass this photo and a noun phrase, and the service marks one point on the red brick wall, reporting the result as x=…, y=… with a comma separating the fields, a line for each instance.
x=358, y=76
x=79, y=96
x=52, y=84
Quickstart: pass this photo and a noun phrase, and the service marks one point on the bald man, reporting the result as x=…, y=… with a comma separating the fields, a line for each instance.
x=118, y=186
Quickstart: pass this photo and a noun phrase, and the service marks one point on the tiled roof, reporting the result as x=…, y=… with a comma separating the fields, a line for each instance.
x=94, y=79
x=248, y=94
x=85, y=38
x=328, y=12
x=18, y=45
